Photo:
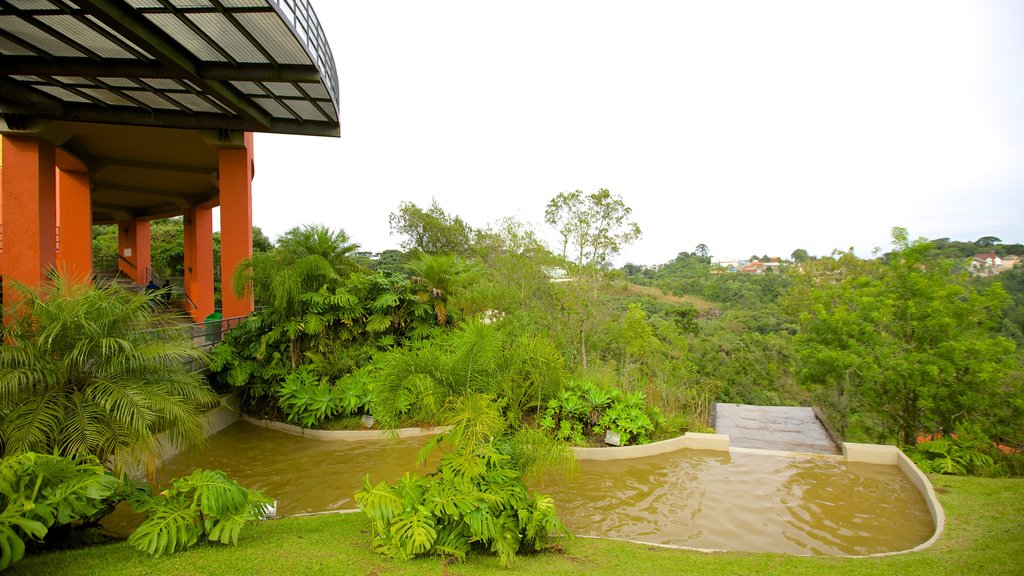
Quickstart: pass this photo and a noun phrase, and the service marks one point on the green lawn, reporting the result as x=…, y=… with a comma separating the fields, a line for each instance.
x=984, y=535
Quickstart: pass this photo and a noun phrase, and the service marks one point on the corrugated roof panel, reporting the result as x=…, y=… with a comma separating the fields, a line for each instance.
x=32, y=4
x=273, y=108
x=119, y=82
x=119, y=37
x=73, y=80
x=163, y=84
x=244, y=3
x=108, y=97
x=218, y=27
x=329, y=109
x=305, y=110
x=250, y=88
x=275, y=36
x=152, y=100
x=184, y=35
x=74, y=28
x=192, y=3
x=63, y=94
x=283, y=89
x=194, y=103
x=27, y=78
x=315, y=90
x=36, y=37
x=8, y=48
x=145, y=3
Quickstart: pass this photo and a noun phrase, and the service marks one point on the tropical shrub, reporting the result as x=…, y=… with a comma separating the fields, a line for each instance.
x=203, y=505
x=413, y=383
x=38, y=491
x=309, y=402
x=582, y=411
x=475, y=497
x=94, y=371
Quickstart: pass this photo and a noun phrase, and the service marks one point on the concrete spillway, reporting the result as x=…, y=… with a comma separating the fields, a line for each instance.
x=790, y=428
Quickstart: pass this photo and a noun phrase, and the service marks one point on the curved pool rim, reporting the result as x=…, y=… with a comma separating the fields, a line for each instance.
x=852, y=452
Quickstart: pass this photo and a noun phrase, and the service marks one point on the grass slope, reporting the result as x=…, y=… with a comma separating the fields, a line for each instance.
x=984, y=535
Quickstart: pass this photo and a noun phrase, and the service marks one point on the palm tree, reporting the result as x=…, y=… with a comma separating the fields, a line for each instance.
x=439, y=276
x=83, y=371
x=318, y=240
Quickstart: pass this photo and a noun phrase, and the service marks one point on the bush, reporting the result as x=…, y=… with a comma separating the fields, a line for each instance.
x=205, y=504
x=39, y=491
x=582, y=410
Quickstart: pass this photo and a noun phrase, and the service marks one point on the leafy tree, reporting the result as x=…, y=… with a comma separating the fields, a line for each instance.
x=432, y=231
x=800, y=255
x=597, y=224
x=986, y=241
x=702, y=250
x=905, y=345
x=83, y=372
x=260, y=242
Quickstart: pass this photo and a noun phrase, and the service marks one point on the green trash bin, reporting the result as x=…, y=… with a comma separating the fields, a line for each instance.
x=212, y=323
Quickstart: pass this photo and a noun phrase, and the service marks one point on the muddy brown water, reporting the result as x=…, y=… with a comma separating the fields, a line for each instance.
x=716, y=500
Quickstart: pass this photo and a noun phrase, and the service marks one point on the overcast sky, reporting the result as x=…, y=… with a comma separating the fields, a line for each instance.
x=756, y=126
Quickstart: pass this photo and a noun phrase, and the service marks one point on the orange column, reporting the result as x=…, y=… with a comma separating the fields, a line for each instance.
x=133, y=249
x=27, y=186
x=199, y=262
x=236, y=172
x=74, y=215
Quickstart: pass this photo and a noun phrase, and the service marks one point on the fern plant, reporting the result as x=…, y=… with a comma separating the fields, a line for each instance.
x=204, y=505
x=476, y=497
x=38, y=491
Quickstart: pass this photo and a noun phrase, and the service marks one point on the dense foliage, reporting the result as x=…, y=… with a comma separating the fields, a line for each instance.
x=40, y=491
x=94, y=371
x=476, y=495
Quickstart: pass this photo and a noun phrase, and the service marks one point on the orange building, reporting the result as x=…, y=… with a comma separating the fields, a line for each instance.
x=125, y=111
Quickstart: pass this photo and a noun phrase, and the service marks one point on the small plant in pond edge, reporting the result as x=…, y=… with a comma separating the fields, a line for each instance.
x=205, y=504
x=582, y=410
x=309, y=402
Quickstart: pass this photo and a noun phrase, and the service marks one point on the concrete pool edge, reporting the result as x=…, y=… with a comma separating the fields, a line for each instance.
x=348, y=435
x=852, y=452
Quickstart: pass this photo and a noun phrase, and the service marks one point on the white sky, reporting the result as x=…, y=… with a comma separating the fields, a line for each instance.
x=752, y=126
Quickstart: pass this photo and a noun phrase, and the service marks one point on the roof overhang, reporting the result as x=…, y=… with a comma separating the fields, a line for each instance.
x=239, y=65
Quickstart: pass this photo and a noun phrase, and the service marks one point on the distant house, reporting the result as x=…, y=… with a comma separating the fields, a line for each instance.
x=986, y=264
x=1009, y=262
x=728, y=265
x=754, y=267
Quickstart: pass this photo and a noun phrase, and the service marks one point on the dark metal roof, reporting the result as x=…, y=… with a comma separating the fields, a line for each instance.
x=248, y=65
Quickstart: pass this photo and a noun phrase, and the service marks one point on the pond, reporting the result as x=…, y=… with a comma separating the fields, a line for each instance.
x=702, y=499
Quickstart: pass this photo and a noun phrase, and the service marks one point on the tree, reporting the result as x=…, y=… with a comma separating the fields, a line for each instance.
x=82, y=372
x=702, y=250
x=318, y=240
x=260, y=242
x=986, y=241
x=595, y=224
x=800, y=255
x=432, y=231
x=907, y=346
